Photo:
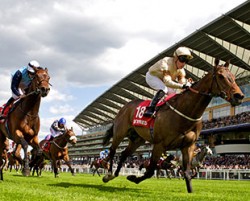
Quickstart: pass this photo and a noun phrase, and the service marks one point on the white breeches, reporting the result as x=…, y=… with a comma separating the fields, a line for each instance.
x=157, y=84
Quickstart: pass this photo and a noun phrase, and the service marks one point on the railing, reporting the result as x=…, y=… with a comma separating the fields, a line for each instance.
x=224, y=174
x=220, y=174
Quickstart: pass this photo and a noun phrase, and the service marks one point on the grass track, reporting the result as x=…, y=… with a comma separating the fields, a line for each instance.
x=91, y=188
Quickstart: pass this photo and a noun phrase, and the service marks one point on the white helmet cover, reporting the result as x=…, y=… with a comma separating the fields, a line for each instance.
x=32, y=64
x=183, y=51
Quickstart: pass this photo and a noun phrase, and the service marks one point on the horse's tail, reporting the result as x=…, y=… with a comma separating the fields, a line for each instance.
x=108, y=136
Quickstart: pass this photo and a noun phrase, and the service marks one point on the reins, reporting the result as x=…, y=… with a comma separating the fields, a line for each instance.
x=223, y=94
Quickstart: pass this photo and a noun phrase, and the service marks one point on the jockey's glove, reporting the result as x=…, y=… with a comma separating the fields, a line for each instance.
x=187, y=85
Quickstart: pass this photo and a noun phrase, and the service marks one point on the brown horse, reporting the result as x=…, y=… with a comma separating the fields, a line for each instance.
x=58, y=150
x=23, y=123
x=99, y=164
x=13, y=162
x=177, y=123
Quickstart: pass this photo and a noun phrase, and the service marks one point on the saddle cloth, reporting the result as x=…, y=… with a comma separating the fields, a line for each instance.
x=148, y=122
x=5, y=112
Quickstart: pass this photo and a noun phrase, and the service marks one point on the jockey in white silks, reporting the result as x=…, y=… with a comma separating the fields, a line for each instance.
x=57, y=128
x=167, y=75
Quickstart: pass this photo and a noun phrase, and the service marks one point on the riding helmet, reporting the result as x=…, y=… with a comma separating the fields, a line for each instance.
x=183, y=51
x=62, y=121
x=31, y=66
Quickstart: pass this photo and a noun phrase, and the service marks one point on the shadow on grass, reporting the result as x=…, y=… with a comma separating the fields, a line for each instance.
x=99, y=187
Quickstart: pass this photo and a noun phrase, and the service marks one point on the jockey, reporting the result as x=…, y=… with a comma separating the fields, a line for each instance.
x=104, y=154
x=58, y=127
x=162, y=76
x=19, y=83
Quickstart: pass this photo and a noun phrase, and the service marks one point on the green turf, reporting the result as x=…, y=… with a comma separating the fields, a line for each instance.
x=87, y=187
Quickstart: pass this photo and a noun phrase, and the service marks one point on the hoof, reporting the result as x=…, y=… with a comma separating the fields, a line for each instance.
x=107, y=178
x=131, y=178
x=26, y=172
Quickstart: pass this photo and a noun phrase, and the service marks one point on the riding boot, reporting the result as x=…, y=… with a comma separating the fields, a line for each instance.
x=151, y=108
x=10, y=102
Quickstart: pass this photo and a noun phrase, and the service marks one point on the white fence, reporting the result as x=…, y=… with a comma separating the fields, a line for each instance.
x=222, y=174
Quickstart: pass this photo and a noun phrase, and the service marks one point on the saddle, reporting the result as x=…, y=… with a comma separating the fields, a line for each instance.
x=148, y=122
x=46, y=146
x=6, y=112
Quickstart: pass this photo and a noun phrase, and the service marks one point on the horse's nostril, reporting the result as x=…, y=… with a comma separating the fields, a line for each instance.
x=238, y=96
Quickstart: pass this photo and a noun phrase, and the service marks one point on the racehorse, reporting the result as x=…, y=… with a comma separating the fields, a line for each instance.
x=99, y=164
x=177, y=124
x=58, y=150
x=163, y=164
x=198, y=160
x=23, y=123
x=13, y=162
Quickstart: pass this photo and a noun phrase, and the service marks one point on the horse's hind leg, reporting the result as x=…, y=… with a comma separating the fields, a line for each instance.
x=156, y=153
x=131, y=148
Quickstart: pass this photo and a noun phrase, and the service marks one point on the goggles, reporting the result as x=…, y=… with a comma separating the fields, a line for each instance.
x=184, y=59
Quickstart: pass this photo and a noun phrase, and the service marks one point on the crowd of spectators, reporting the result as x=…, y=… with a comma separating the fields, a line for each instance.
x=241, y=118
x=227, y=162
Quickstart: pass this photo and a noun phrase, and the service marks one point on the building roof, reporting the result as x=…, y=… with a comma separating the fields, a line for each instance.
x=226, y=38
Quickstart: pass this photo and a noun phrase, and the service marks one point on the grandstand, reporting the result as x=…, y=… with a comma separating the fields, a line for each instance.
x=227, y=37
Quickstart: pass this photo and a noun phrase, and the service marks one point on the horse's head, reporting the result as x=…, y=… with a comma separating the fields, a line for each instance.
x=40, y=82
x=70, y=136
x=224, y=84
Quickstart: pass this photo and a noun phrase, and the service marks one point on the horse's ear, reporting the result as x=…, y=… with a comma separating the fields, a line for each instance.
x=72, y=128
x=227, y=63
x=216, y=62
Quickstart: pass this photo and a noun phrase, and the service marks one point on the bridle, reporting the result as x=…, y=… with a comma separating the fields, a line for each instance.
x=36, y=91
x=64, y=137
x=223, y=93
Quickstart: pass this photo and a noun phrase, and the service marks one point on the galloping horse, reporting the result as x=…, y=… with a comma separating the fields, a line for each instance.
x=197, y=161
x=58, y=150
x=177, y=123
x=199, y=158
x=99, y=164
x=23, y=123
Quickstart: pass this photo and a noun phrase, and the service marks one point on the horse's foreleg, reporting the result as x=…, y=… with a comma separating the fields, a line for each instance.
x=26, y=169
x=54, y=162
x=98, y=172
x=70, y=168
x=187, y=154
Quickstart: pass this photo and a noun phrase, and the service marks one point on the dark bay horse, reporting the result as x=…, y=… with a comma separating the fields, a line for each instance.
x=96, y=164
x=177, y=123
x=23, y=123
x=58, y=150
